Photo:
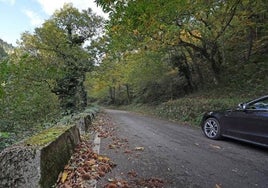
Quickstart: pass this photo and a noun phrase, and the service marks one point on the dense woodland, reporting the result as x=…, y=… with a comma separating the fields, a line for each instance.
x=147, y=52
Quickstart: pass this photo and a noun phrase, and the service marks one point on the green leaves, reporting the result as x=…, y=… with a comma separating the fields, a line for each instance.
x=204, y=42
x=58, y=45
x=45, y=74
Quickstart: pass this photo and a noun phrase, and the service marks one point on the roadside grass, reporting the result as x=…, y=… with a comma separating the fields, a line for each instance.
x=240, y=83
x=188, y=110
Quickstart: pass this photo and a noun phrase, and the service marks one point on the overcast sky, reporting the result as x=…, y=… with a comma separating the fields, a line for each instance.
x=18, y=16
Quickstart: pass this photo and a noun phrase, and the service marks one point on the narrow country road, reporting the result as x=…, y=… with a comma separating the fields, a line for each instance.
x=181, y=156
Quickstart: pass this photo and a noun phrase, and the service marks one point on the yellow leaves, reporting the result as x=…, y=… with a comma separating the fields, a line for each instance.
x=161, y=26
x=135, y=32
x=103, y=159
x=64, y=176
x=91, y=162
x=114, y=28
x=186, y=36
x=84, y=165
x=112, y=146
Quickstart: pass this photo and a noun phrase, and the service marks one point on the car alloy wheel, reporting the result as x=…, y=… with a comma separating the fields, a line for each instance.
x=211, y=128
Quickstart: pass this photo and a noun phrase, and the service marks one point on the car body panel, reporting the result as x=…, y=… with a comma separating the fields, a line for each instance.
x=248, y=122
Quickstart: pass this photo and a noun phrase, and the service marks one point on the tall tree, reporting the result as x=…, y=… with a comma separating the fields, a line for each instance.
x=25, y=100
x=200, y=28
x=59, y=44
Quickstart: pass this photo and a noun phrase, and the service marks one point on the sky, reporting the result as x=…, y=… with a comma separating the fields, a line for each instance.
x=18, y=16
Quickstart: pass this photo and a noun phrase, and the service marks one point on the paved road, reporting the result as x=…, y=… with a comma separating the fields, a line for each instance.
x=181, y=155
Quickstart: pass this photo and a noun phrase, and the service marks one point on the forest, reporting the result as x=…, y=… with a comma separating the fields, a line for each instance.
x=176, y=57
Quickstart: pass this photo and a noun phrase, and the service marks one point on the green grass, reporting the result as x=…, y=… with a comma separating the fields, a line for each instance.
x=188, y=110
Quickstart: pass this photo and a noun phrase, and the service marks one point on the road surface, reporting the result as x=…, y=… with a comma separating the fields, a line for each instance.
x=145, y=148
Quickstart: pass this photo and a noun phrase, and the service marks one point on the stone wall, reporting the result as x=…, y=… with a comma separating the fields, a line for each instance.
x=20, y=167
x=33, y=166
x=56, y=155
x=84, y=121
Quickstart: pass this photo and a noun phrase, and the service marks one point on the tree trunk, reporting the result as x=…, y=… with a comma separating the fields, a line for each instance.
x=112, y=94
x=250, y=43
x=128, y=94
x=196, y=66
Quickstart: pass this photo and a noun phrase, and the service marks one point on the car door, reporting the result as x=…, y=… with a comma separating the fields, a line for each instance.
x=237, y=123
x=258, y=128
x=249, y=124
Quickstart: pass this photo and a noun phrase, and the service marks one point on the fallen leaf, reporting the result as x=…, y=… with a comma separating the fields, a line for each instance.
x=112, y=146
x=132, y=173
x=111, y=179
x=127, y=151
x=215, y=146
x=139, y=148
x=111, y=185
x=90, y=162
x=66, y=185
x=151, y=182
x=103, y=159
x=86, y=176
x=235, y=170
x=64, y=176
x=101, y=174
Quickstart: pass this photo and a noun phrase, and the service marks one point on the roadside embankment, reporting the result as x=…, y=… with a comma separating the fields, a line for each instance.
x=187, y=110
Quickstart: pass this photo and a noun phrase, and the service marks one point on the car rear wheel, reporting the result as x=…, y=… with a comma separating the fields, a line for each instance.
x=212, y=129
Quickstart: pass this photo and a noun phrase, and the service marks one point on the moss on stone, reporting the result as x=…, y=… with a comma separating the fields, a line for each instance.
x=46, y=136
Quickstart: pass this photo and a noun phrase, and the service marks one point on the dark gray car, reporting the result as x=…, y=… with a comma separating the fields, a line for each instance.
x=248, y=122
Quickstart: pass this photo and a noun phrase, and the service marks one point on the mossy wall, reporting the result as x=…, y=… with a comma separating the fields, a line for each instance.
x=55, y=155
x=37, y=161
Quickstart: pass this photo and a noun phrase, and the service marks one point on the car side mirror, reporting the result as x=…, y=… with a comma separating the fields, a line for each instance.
x=242, y=106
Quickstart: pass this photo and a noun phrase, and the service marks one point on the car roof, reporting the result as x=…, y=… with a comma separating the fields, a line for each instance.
x=258, y=99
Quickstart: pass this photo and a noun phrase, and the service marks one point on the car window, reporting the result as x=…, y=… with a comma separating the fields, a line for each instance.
x=260, y=105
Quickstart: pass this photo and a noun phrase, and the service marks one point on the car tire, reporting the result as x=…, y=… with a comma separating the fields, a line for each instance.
x=211, y=128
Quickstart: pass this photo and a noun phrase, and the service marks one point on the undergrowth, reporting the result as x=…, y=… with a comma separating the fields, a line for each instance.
x=187, y=110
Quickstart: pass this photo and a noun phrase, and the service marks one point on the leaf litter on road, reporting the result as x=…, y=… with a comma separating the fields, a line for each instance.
x=121, y=147
x=86, y=167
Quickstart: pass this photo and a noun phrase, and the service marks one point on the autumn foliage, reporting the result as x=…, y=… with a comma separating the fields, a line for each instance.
x=84, y=167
